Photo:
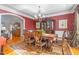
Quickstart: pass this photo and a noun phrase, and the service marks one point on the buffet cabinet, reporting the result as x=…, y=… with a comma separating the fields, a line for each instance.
x=45, y=25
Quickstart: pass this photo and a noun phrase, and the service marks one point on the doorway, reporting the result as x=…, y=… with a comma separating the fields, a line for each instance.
x=13, y=24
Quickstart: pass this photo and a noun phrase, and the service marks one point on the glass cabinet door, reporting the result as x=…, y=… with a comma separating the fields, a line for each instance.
x=44, y=25
x=50, y=24
x=38, y=25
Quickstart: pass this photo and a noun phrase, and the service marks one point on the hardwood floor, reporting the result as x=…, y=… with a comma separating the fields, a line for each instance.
x=14, y=40
x=30, y=50
x=75, y=51
x=7, y=49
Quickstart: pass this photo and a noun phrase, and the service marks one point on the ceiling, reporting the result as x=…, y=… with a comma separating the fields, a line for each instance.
x=46, y=9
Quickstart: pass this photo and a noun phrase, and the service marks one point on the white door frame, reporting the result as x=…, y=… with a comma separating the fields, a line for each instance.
x=15, y=16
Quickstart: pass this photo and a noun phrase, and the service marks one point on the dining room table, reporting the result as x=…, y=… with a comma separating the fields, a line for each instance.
x=51, y=37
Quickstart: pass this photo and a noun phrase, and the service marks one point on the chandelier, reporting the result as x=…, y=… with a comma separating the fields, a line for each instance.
x=39, y=16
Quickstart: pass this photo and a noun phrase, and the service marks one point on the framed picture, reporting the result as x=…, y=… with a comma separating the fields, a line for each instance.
x=37, y=24
x=63, y=24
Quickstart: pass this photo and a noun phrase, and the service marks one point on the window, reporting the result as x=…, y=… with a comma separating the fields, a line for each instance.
x=63, y=24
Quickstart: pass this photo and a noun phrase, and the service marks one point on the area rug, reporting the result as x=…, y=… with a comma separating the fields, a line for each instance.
x=22, y=49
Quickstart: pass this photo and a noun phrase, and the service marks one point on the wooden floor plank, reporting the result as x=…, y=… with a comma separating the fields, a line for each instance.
x=75, y=51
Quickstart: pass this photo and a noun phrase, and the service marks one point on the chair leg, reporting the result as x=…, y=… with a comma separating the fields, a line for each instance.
x=41, y=48
x=1, y=52
x=62, y=52
x=52, y=46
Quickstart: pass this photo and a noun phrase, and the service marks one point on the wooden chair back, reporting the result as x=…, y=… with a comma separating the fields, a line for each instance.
x=37, y=35
x=27, y=35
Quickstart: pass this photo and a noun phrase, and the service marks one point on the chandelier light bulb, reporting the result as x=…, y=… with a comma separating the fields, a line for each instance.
x=35, y=16
x=39, y=14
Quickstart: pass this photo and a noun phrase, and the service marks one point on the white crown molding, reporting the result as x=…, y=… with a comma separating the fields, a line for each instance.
x=13, y=11
x=60, y=13
x=64, y=12
x=74, y=7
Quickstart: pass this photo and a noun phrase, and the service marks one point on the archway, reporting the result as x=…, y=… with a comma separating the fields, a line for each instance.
x=9, y=19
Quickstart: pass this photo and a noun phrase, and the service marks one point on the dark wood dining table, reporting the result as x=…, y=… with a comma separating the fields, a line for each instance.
x=49, y=36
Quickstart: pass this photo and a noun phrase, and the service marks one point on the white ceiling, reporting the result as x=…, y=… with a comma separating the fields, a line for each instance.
x=47, y=9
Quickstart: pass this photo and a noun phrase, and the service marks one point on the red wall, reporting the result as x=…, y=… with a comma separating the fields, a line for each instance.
x=29, y=23
x=69, y=17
